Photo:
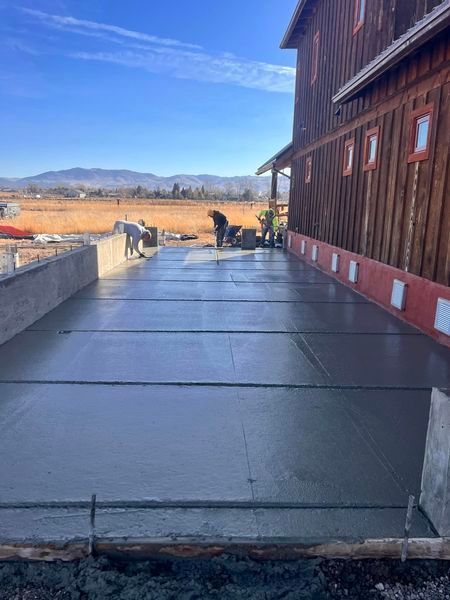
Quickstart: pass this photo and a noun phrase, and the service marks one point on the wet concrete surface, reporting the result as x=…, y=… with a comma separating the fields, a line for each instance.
x=220, y=291
x=148, y=315
x=144, y=390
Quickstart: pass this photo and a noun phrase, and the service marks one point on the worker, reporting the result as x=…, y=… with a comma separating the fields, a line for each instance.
x=220, y=225
x=260, y=216
x=269, y=226
x=135, y=233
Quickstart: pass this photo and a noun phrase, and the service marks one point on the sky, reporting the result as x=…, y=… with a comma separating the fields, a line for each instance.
x=159, y=86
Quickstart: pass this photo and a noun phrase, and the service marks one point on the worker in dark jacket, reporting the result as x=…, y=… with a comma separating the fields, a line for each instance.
x=220, y=225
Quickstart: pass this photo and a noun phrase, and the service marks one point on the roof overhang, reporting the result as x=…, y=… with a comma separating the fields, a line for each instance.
x=422, y=32
x=302, y=14
x=281, y=160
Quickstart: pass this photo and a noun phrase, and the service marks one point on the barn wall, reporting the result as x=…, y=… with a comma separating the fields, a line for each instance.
x=398, y=214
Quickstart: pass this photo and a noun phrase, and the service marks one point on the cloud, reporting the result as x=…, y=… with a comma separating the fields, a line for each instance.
x=202, y=67
x=171, y=57
x=61, y=22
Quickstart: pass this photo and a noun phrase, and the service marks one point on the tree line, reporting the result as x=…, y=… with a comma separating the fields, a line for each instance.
x=178, y=192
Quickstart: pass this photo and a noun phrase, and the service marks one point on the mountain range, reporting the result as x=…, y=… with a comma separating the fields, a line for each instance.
x=122, y=178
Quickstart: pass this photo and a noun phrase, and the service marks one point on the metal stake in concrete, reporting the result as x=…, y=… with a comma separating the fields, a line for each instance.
x=409, y=514
x=92, y=525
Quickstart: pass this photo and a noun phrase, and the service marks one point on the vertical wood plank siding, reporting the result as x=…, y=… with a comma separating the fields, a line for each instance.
x=398, y=213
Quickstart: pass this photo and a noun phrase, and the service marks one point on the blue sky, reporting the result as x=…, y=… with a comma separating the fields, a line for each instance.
x=166, y=86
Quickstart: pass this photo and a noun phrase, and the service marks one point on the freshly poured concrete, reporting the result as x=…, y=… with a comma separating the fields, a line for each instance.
x=143, y=389
x=91, y=315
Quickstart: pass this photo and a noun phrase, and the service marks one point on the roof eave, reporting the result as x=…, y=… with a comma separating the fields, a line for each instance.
x=296, y=26
x=281, y=160
x=401, y=48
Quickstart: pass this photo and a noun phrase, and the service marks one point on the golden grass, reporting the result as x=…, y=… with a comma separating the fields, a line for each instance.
x=98, y=216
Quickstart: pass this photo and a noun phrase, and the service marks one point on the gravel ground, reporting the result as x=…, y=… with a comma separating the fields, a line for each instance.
x=30, y=252
x=225, y=578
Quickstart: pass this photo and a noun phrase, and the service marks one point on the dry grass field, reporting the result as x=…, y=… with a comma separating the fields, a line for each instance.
x=98, y=216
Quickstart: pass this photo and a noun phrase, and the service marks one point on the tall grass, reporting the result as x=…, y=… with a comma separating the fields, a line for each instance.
x=98, y=216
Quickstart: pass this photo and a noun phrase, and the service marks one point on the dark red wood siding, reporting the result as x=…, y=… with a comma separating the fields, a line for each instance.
x=398, y=213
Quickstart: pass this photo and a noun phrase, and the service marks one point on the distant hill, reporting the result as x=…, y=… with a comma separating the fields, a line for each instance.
x=122, y=178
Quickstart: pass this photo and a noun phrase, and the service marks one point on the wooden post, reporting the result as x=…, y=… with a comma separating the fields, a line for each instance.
x=274, y=190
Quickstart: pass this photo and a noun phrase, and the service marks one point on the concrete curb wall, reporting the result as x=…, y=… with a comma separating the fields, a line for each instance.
x=111, y=252
x=435, y=497
x=33, y=291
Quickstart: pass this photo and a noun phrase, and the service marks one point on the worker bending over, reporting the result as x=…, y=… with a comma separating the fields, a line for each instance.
x=135, y=232
x=269, y=225
x=220, y=225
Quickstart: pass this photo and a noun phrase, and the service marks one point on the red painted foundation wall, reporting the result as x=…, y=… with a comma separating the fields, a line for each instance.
x=375, y=281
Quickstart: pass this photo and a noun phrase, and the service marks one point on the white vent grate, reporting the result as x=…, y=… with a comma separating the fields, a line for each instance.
x=303, y=247
x=335, y=262
x=315, y=253
x=353, y=271
x=398, y=297
x=442, y=321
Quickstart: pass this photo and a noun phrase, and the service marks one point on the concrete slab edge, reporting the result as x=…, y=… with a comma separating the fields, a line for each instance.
x=267, y=549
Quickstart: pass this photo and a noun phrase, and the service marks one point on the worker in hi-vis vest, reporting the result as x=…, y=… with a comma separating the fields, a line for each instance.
x=269, y=225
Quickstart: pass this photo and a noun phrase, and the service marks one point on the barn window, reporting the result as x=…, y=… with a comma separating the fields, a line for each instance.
x=315, y=58
x=349, y=154
x=360, y=13
x=420, y=133
x=308, y=170
x=371, y=145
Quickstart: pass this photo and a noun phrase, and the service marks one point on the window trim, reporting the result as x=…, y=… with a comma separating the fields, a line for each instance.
x=371, y=166
x=315, y=58
x=308, y=169
x=413, y=155
x=348, y=170
x=357, y=22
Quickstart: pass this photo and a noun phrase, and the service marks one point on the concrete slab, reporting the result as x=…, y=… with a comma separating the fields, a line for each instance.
x=282, y=525
x=213, y=291
x=220, y=275
x=382, y=360
x=341, y=359
x=341, y=524
x=123, y=444
x=127, y=444
x=224, y=266
x=328, y=448
x=120, y=357
x=142, y=315
x=59, y=524
x=332, y=434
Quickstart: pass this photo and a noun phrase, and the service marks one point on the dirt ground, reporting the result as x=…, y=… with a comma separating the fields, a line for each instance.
x=225, y=578
x=30, y=252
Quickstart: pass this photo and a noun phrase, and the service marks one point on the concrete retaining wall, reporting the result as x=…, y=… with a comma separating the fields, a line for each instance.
x=435, y=497
x=31, y=292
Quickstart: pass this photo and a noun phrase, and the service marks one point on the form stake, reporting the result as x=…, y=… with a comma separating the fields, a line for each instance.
x=92, y=525
x=409, y=514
